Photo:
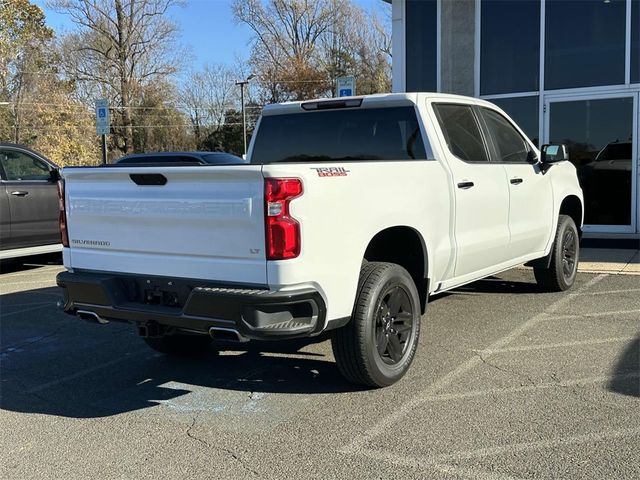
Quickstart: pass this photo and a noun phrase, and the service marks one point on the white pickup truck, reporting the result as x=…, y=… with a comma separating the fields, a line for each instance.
x=349, y=214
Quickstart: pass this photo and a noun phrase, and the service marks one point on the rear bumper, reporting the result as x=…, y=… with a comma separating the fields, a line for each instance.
x=193, y=306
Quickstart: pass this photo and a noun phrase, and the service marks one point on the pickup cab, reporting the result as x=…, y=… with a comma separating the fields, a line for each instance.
x=348, y=215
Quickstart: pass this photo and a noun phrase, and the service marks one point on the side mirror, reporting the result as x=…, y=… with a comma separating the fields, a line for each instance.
x=550, y=154
x=54, y=175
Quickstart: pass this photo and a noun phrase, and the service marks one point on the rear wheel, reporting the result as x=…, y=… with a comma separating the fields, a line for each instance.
x=180, y=345
x=377, y=346
x=563, y=268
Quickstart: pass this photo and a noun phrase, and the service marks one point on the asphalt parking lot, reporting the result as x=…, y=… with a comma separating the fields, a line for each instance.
x=508, y=382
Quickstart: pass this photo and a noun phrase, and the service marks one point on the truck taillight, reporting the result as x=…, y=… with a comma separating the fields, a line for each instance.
x=282, y=230
x=62, y=215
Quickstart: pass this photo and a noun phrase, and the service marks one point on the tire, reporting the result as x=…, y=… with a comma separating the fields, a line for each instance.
x=180, y=345
x=386, y=314
x=565, y=254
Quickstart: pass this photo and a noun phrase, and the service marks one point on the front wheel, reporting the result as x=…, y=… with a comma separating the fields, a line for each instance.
x=565, y=253
x=377, y=346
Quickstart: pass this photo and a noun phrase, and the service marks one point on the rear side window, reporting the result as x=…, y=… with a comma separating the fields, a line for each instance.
x=510, y=145
x=346, y=134
x=462, y=132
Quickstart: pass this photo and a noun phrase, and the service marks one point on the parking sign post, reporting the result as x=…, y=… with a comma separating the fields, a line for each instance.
x=346, y=86
x=103, y=124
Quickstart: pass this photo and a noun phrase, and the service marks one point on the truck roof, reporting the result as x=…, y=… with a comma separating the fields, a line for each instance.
x=369, y=101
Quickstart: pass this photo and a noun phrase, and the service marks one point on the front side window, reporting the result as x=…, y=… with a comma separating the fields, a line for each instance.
x=340, y=135
x=20, y=166
x=462, y=132
x=509, y=144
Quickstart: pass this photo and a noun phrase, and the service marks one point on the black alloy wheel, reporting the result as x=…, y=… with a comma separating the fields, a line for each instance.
x=378, y=344
x=561, y=273
x=394, y=324
x=569, y=253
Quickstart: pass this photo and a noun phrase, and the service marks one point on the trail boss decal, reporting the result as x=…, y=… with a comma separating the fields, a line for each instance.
x=331, y=171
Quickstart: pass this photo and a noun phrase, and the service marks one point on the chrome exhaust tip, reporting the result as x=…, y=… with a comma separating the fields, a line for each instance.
x=92, y=317
x=227, y=334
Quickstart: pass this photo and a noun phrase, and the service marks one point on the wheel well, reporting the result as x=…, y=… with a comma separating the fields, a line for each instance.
x=403, y=246
x=572, y=206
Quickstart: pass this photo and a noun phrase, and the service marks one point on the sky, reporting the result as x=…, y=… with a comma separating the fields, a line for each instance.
x=207, y=29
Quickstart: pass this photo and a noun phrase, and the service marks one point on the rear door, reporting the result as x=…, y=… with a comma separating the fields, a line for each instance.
x=530, y=192
x=480, y=190
x=201, y=222
x=32, y=198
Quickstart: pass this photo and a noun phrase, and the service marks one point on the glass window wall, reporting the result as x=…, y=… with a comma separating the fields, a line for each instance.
x=525, y=112
x=584, y=43
x=510, y=46
x=421, y=45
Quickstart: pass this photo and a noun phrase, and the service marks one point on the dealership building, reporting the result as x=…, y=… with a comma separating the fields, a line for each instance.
x=565, y=71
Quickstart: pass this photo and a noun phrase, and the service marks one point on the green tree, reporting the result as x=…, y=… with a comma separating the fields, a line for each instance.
x=37, y=105
x=119, y=49
x=23, y=39
x=159, y=124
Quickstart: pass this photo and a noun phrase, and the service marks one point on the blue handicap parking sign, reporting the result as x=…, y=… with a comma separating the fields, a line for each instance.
x=102, y=112
x=345, y=92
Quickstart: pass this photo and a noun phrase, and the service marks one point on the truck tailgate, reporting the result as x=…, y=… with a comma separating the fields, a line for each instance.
x=204, y=222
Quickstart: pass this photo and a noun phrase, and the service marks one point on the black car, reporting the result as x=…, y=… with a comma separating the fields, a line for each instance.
x=28, y=202
x=198, y=158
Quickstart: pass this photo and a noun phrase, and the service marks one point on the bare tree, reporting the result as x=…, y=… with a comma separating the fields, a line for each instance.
x=286, y=38
x=301, y=46
x=206, y=96
x=121, y=46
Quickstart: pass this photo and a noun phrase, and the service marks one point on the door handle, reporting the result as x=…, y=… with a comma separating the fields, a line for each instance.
x=465, y=185
x=516, y=181
x=19, y=193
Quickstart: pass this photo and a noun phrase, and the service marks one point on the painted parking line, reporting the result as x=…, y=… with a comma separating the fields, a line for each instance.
x=611, y=292
x=541, y=444
x=14, y=284
x=610, y=313
x=25, y=310
x=357, y=445
x=30, y=304
x=87, y=371
x=440, y=461
x=580, y=382
x=577, y=343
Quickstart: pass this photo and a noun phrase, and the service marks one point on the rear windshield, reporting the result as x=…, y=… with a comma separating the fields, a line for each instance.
x=358, y=134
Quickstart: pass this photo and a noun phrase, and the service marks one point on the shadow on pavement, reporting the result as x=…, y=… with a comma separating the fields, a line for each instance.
x=20, y=264
x=56, y=364
x=498, y=285
x=626, y=371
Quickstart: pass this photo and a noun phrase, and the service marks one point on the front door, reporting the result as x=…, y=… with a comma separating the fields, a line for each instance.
x=530, y=195
x=602, y=135
x=481, y=192
x=32, y=199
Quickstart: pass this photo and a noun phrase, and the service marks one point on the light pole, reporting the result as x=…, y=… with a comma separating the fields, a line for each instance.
x=242, y=83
